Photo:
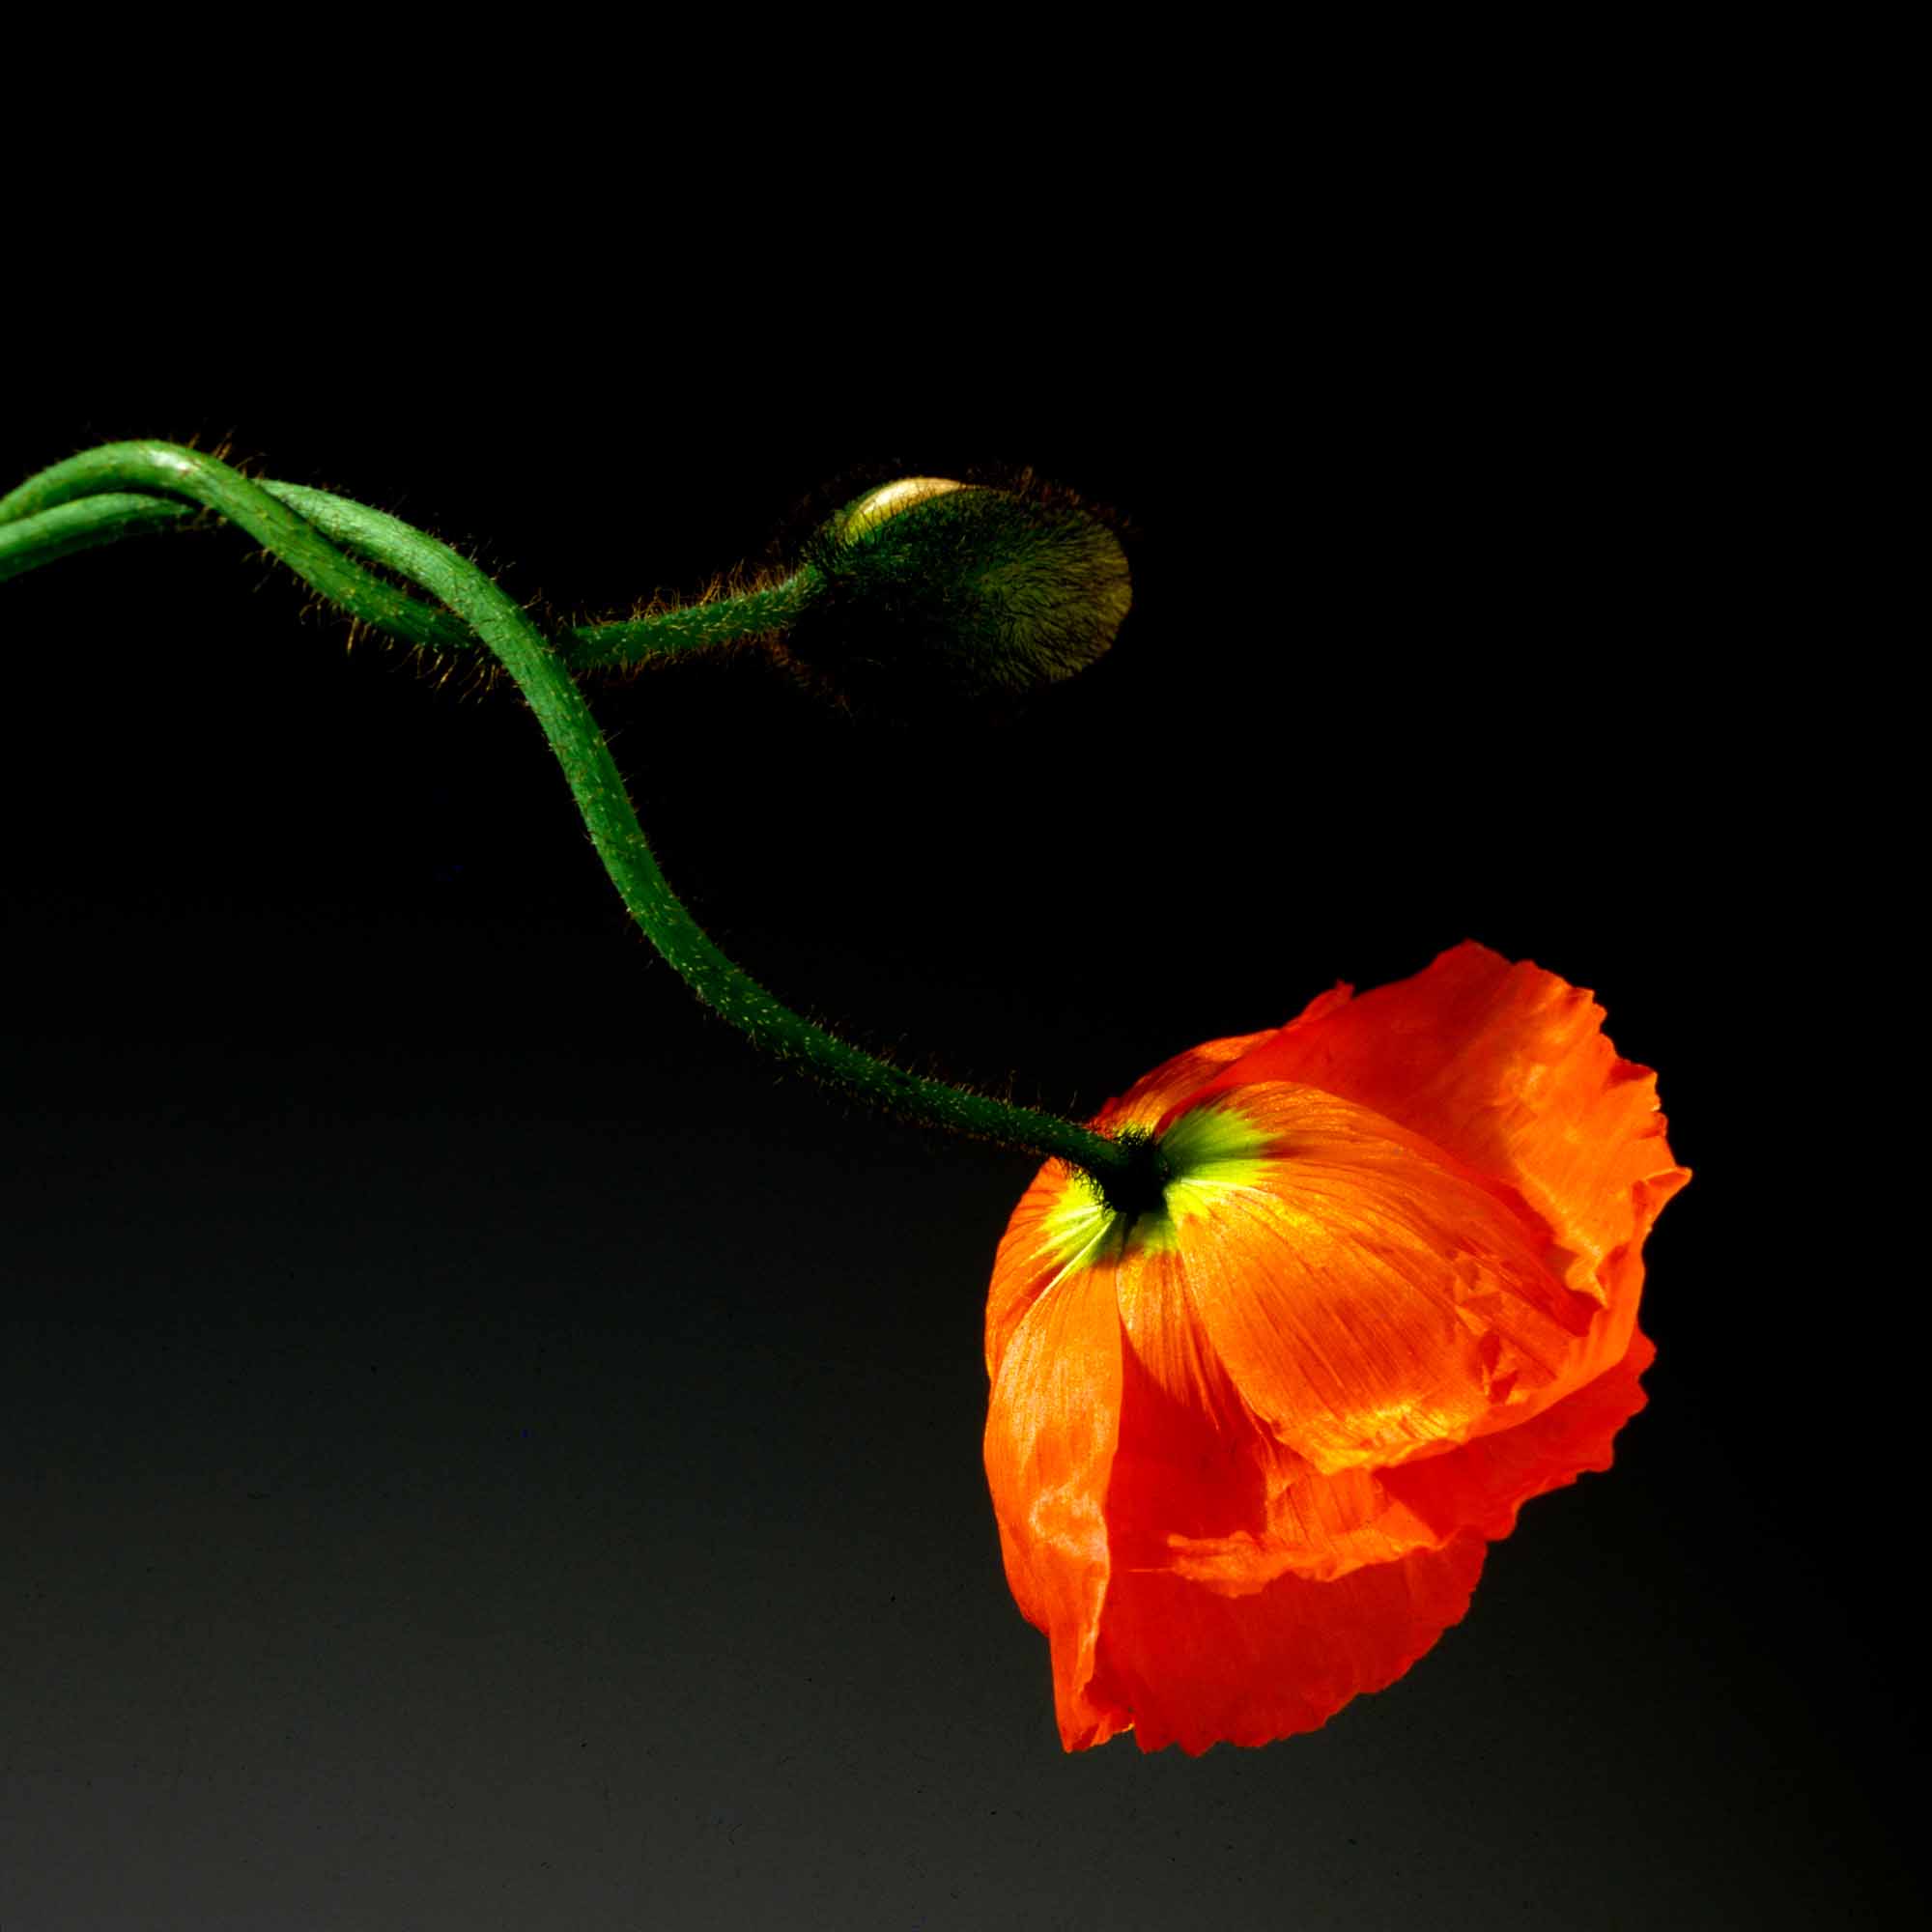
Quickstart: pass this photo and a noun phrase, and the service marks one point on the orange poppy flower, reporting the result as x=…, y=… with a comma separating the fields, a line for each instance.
x=1247, y=1451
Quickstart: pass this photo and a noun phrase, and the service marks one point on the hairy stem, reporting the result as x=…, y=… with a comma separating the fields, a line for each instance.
x=79, y=504
x=71, y=527
x=305, y=528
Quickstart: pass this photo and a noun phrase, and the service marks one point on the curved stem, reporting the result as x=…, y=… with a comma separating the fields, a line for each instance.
x=86, y=524
x=64, y=510
x=168, y=468
x=304, y=520
x=693, y=627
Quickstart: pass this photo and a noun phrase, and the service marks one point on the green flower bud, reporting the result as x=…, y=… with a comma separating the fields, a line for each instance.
x=933, y=589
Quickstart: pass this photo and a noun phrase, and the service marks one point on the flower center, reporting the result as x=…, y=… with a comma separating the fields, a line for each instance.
x=1172, y=1178
x=1140, y=1187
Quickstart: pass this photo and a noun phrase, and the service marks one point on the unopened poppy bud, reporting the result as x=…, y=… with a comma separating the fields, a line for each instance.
x=933, y=589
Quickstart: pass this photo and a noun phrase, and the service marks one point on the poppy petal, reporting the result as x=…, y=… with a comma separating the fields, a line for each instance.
x=1482, y=1485
x=1177, y=1080
x=1051, y=1430
x=1507, y=1067
x=1370, y=1298
x=1322, y=1527
x=1135, y=1642
x=1247, y=1448
x=1201, y=1485
x=1191, y=1666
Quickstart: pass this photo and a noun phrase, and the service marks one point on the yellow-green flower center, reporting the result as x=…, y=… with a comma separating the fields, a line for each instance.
x=1211, y=1152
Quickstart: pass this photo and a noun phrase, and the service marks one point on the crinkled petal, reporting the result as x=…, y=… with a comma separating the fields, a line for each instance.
x=1191, y=1666
x=1248, y=1656
x=1177, y=1080
x=1507, y=1067
x=1245, y=1456
x=1051, y=1430
x=1028, y=1260
x=1322, y=1527
x=1482, y=1485
x=1370, y=1298
x=1234, y=1645
x=1201, y=1484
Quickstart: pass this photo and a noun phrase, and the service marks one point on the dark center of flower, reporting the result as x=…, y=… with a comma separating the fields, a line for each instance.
x=1139, y=1186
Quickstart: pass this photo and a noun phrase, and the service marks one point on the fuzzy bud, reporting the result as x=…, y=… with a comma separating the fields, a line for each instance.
x=934, y=589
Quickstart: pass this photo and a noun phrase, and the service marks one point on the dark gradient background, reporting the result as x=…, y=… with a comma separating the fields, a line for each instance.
x=478, y=1449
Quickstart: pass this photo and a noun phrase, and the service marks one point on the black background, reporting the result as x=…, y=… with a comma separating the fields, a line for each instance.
x=481, y=1450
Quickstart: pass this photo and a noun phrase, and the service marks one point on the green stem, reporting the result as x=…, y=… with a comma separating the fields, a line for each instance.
x=72, y=527
x=168, y=470
x=298, y=525
x=723, y=620
x=77, y=505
